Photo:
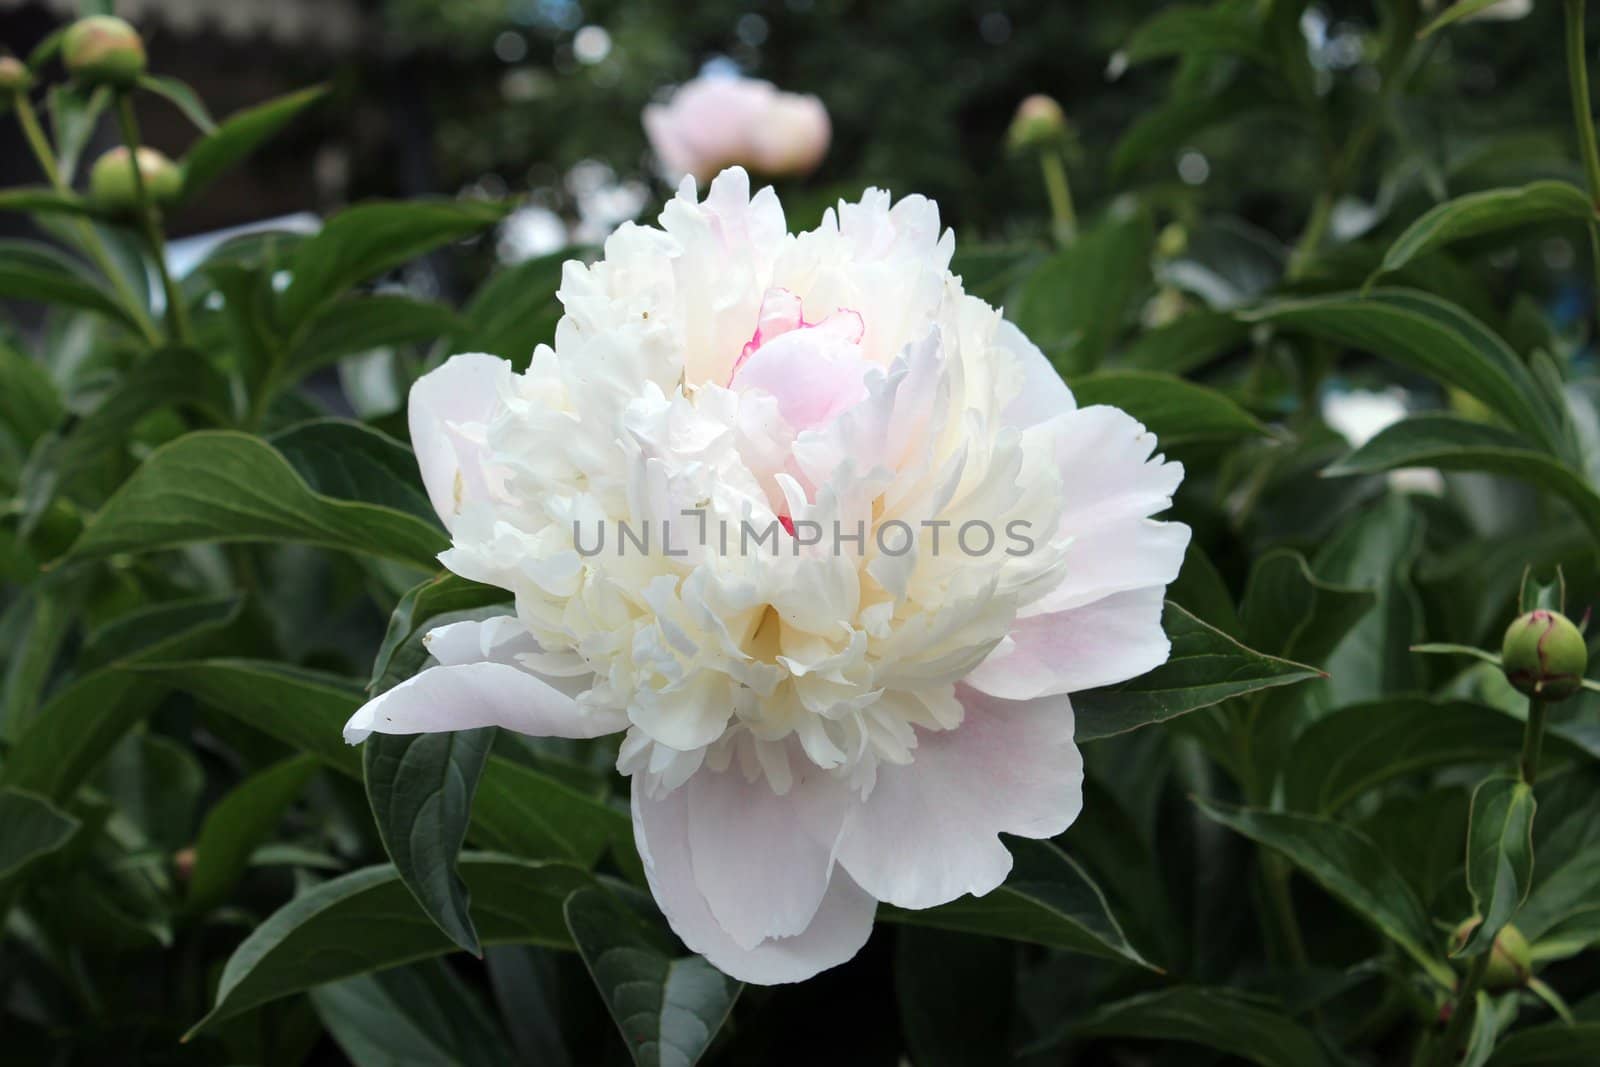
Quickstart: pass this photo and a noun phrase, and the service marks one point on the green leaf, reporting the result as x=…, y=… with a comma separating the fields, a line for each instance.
x=668, y=1008
x=1348, y=865
x=402, y=654
x=1362, y=746
x=240, y=134
x=183, y=98
x=1432, y=337
x=1221, y=1019
x=241, y=820
x=358, y=324
x=1491, y=211
x=1561, y=916
x=1550, y=1045
x=369, y=239
x=30, y=827
x=1449, y=442
x=1186, y=344
x=348, y=460
x=37, y=272
x=1288, y=611
x=1206, y=667
x=1176, y=411
x=1455, y=13
x=367, y=920
x=1190, y=30
x=1075, y=303
x=227, y=486
x=518, y=810
x=32, y=404
x=515, y=310
x=1499, y=856
x=84, y=719
x=420, y=787
x=45, y=201
x=1048, y=899
x=421, y=1014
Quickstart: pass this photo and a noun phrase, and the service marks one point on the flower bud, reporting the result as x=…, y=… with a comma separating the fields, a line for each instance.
x=103, y=50
x=1039, y=123
x=112, y=184
x=1173, y=241
x=15, y=77
x=1510, y=960
x=1544, y=655
x=183, y=863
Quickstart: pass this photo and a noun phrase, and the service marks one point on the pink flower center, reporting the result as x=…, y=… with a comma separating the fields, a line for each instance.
x=814, y=370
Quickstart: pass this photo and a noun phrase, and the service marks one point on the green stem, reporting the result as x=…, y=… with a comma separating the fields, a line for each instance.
x=1532, y=739
x=150, y=225
x=1578, y=77
x=87, y=239
x=1275, y=873
x=1059, y=190
x=1444, y=1053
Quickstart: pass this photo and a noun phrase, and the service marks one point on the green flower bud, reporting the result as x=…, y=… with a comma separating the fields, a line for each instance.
x=103, y=50
x=1173, y=241
x=1039, y=123
x=1544, y=655
x=112, y=184
x=15, y=77
x=1510, y=960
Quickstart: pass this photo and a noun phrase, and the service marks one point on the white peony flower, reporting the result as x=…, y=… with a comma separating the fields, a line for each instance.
x=837, y=714
x=719, y=120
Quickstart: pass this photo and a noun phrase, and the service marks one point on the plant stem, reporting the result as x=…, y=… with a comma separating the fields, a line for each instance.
x=1062, y=213
x=149, y=223
x=1532, y=739
x=87, y=239
x=1444, y=1053
x=1275, y=874
x=1578, y=76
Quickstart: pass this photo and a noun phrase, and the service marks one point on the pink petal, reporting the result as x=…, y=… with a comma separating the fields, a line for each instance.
x=1108, y=641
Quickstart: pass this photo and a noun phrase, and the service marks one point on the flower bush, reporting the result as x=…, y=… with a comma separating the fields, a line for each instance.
x=1133, y=637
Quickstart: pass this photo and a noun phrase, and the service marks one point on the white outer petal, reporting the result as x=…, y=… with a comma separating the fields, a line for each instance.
x=1108, y=641
x=470, y=695
x=929, y=831
x=837, y=931
x=464, y=390
x=1044, y=394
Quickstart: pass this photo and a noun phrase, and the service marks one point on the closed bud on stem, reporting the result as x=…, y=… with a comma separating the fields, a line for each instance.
x=1510, y=960
x=113, y=187
x=1544, y=655
x=103, y=50
x=1039, y=123
x=15, y=77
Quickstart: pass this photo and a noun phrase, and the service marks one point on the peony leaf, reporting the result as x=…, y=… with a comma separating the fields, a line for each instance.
x=1206, y=667
x=1452, y=443
x=423, y=1013
x=1048, y=899
x=1499, y=856
x=37, y=272
x=1289, y=611
x=1457, y=11
x=1074, y=304
x=30, y=827
x=240, y=821
x=1182, y=346
x=421, y=787
x=238, y=135
x=956, y=994
x=515, y=310
x=1346, y=863
x=367, y=921
x=669, y=1008
x=1176, y=411
x=1556, y=1044
x=358, y=324
x=227, y=486
x=1190, y=30
x=1490, y=211
x=402, y=653
x=368, y=239
x=518, y=810
x=182, y=97
x=1423, y=333
x=1222, y=1019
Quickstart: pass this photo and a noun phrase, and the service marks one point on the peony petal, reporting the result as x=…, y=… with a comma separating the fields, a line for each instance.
x=1044, y=395
x=761, y=861
x=927, y=834
x=1108, y=641
x=470, y=695
x=841, y=925
x=463, y=392
x=497, y=640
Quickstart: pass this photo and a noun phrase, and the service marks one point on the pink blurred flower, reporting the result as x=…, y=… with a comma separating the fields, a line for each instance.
x=719, y=121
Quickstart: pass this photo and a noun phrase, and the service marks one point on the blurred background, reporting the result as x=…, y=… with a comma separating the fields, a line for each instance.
x=542, y=99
